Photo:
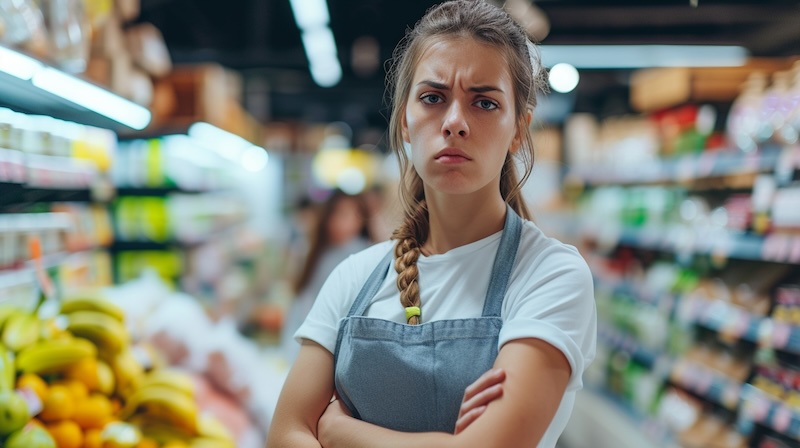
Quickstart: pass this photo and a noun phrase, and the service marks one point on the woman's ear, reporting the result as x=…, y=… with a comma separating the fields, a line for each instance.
x=404, y=128
x=516, y=143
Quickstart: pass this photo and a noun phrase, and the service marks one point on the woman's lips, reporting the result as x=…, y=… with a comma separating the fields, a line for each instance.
x=451, y=156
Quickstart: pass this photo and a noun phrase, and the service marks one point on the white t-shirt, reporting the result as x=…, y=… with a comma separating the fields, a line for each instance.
x=550, y=297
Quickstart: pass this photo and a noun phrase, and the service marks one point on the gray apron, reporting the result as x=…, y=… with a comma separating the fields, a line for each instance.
x=412, y=377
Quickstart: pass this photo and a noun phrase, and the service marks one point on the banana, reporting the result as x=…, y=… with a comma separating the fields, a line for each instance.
x=165, y=404
x=89, y=303
x=210, y=427
x=171, y=378
x=21, y=330
x=120, y=435
x=6, y=311
x=54, y=355
x=105, y=331
x=206, y=442
x=158, y=430
x=128, y=373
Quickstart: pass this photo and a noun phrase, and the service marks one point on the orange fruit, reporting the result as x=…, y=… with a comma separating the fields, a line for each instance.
x=58, y=405
x=93, y=413
x=85, y=371
x=77, y=389
x=33, y=382
x=147, y=442
x=92, y=438
x=66, y=433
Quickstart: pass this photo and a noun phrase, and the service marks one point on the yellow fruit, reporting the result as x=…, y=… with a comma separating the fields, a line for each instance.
x=147, y=443
x=35, y=383
x=92, y=439
x=58, y=405
x=93, y=413
x=175, y=444
x=66, y=433
x=86, y=372
x=105, y=378
x=78, y=390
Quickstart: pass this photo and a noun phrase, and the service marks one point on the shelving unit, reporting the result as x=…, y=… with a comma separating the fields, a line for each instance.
x=712, y=320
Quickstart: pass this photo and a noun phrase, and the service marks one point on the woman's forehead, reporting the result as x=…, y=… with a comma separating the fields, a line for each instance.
x=474, y=61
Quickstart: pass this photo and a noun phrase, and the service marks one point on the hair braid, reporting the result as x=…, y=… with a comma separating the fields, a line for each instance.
x=410, y=236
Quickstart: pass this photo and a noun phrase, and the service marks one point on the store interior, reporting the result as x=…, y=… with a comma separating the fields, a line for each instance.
x=169, y=170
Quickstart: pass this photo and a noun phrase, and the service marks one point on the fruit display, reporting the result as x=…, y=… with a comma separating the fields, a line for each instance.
x=74, y=380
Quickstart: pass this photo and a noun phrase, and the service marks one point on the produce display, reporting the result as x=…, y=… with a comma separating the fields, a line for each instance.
x=74, y=380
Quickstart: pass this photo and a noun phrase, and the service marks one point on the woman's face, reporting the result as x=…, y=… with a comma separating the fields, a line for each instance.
x=460, y=116
x=345, y=221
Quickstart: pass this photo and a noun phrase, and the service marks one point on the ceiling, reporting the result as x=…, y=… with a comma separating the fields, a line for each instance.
x=260, y=39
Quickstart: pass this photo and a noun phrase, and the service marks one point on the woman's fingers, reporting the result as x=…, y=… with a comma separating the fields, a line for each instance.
x=465, y=420
x=483, y=398
x=487, y=380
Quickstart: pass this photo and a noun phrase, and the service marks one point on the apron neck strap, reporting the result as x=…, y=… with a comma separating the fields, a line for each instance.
x=503, y=264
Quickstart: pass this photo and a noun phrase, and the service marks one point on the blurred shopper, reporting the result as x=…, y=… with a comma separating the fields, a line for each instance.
x=342, y=229
x=470, y=328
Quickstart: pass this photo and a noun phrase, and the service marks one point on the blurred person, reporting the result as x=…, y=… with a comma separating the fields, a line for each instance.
x=341, y=229
x=470, y=327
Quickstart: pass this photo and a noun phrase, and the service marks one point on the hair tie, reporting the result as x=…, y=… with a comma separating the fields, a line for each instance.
x=412, y=311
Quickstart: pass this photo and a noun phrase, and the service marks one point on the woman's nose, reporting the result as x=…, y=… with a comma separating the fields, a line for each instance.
x=455, y=122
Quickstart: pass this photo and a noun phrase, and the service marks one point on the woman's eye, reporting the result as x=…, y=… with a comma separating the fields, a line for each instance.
x=487, y=104
x=431, y=99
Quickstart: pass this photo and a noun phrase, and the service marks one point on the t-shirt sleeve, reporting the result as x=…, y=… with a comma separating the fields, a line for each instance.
x=322, y=323
x=555, y=303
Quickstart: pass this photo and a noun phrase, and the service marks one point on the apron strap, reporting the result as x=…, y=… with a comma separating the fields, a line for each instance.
x=503, y=264
x=372, y=285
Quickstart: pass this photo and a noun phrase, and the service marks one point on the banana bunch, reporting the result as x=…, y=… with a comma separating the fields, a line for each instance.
x=53, y=356
x=165, y=404
x=98, y=320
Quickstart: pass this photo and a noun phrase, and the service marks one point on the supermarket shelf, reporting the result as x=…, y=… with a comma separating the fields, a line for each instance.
x=23, y=96
x=683, y=169
x=760, y=408
x=775, y=248
x=734, y=322
x=621, y=341
x=707, y=384
x=157, y=191
x=19, y=194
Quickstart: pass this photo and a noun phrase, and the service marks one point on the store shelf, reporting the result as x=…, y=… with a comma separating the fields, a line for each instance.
x=158, y=191
x=18, y=194
x=683, y=169
x=48, y=94
x=758, y=407
x=706, y=383
x=621, y=341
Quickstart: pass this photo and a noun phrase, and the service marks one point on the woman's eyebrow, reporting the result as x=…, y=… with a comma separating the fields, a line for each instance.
x=476, y=89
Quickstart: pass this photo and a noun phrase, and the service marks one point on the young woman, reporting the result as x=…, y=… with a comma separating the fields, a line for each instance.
x=470, y=328
x=341, y=229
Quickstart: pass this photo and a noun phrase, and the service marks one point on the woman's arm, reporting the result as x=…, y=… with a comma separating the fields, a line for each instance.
x=305, y=395
x=536, y=377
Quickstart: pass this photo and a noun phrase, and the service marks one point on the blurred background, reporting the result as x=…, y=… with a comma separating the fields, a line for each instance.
x=178, y=177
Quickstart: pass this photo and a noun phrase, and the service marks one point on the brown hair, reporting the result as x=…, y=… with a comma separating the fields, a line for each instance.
x=319, y=238
x=488, y=24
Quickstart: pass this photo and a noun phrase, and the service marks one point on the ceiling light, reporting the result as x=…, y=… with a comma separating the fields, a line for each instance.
x=563, y=78
x=255, y=158
x=17, y=64
x=326, y=72
x=319, y=43
x=642, y=56
x=310, y=13
x=92, y=97
x=351, y=181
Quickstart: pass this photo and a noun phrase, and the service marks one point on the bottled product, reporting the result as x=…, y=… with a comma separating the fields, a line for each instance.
x=745, y=127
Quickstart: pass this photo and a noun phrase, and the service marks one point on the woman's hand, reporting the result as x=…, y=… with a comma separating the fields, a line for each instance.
x=327, y=422
x=477, y=396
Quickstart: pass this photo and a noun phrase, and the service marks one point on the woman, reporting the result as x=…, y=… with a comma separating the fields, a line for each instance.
x=341, y=229
x=470, y=328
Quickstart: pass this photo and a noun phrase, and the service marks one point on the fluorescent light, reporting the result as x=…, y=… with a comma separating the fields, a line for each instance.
x=255, y=159
x=18, y=65
x=563, y=78
x=326, y=72
x=310, y=13
x=319, y=42
x=642, y=56
x=92, y=97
